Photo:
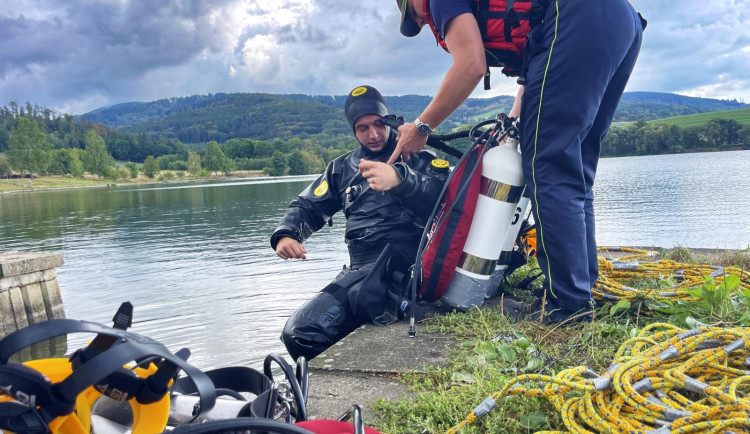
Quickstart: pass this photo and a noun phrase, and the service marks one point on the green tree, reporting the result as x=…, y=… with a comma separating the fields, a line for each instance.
x=278, y=164
x=96, y=159
x=745, y=136
x=27, y=148
x=66, y=162
x=297, y=163
x=193, y=163
x=150, y=167
x=239, y=148
x=215, y=160
x=75, y=165
x=314, y=163
x=4, y=167
x=132, y=169
x=721, y=133
x=4, y=137
x=263, y=150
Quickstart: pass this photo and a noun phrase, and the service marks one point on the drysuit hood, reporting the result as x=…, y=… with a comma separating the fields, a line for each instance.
x=366, y=100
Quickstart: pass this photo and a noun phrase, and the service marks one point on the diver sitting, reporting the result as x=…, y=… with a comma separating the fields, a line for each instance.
x=386, y=208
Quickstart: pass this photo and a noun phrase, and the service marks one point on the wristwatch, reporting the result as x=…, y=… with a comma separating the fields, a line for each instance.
x=422, y=128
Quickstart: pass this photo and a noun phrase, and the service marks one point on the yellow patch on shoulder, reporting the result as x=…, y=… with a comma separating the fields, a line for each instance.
x=359, y=91
x=440, y=164
x=321, y=189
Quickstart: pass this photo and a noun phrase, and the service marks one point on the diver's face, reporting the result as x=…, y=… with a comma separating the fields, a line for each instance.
x=371, y=132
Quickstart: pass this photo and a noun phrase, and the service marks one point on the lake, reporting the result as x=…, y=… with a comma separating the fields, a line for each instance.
x=195, y=259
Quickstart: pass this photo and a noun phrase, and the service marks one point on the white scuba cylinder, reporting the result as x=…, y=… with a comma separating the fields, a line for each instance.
x=501, y=188
x=509, y=245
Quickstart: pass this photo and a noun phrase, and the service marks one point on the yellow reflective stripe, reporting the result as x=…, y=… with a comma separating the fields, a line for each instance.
x=536, y=139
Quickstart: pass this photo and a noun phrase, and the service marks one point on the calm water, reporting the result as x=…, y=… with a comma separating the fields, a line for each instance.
x=196, y=262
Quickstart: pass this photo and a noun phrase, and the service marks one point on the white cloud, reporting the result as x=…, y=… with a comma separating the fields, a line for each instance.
x=260, y=58
x=78, y=54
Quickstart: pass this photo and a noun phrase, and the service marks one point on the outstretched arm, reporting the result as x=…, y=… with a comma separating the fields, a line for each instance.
x=464, y=41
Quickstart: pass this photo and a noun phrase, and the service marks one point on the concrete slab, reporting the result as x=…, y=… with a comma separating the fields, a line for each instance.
x=332, y=394
x=365, y=366
x=385, y=350
x=13, y=263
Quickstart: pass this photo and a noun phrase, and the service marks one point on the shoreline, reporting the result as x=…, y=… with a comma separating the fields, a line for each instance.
x=109, y=184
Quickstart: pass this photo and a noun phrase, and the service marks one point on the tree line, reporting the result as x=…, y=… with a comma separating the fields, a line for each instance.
x=40, y=141
x=37, y=140
x=650, y=138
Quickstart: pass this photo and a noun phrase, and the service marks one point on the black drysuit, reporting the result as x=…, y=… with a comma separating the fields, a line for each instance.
x=373, y=220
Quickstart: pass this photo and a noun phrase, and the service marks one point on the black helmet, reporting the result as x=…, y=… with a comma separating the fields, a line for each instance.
x=364, y=100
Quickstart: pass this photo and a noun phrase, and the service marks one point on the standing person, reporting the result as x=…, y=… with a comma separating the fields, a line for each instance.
x=383, y=205
x=576, y=62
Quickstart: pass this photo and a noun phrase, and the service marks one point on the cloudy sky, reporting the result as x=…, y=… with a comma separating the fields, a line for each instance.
x=78, y=55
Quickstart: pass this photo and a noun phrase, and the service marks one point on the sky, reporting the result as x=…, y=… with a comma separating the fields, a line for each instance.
x=78, y=55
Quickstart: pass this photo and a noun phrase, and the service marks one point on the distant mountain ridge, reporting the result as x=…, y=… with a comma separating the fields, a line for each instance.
x=223, y=116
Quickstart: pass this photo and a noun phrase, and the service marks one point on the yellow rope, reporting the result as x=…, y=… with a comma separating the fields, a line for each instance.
x=612, y=274
x=665, y=380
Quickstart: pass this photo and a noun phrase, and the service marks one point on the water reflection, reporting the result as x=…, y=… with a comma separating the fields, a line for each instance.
x=692, y=200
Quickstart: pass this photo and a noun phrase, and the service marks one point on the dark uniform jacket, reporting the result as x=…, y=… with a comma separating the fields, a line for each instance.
x=373, y=218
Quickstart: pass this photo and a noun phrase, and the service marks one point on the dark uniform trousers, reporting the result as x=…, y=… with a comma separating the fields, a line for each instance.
x=579, y=61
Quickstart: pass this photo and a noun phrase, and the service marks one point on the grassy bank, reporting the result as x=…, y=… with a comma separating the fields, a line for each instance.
x=524, y=358
x=67, y=182
x=47, y=182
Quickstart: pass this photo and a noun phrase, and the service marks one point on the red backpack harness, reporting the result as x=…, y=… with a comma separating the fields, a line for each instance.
x=504, y=25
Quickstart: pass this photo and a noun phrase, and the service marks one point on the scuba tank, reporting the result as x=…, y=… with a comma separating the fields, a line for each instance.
x=500, y=190
x=506, y=255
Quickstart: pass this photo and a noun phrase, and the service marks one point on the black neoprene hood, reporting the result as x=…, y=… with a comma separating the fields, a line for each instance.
x=364, y=100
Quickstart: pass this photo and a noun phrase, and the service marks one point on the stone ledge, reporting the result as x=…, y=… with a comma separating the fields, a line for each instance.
x=366, y=365
x=13, y=263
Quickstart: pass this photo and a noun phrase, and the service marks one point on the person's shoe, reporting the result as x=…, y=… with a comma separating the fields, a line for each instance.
x=516, y=311
x=513, y=310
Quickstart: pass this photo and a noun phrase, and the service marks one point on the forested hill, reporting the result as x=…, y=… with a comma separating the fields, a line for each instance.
x=220, y=117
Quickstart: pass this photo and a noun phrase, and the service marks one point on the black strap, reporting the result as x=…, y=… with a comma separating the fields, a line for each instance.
x=483, y=15
x=511, y=20
x=20, y=419
x=127, y=347
x=236, y=378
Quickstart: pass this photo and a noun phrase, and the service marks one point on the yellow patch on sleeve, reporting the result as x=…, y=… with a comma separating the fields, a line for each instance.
x=440, y=164
x=321, y=189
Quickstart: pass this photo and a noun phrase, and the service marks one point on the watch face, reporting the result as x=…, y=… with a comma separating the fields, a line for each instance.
x=423, y=129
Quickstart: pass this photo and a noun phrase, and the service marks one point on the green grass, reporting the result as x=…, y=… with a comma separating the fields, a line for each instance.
x=699, y=119
x=45, y=182
x=55, y=181
x=696, y=120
